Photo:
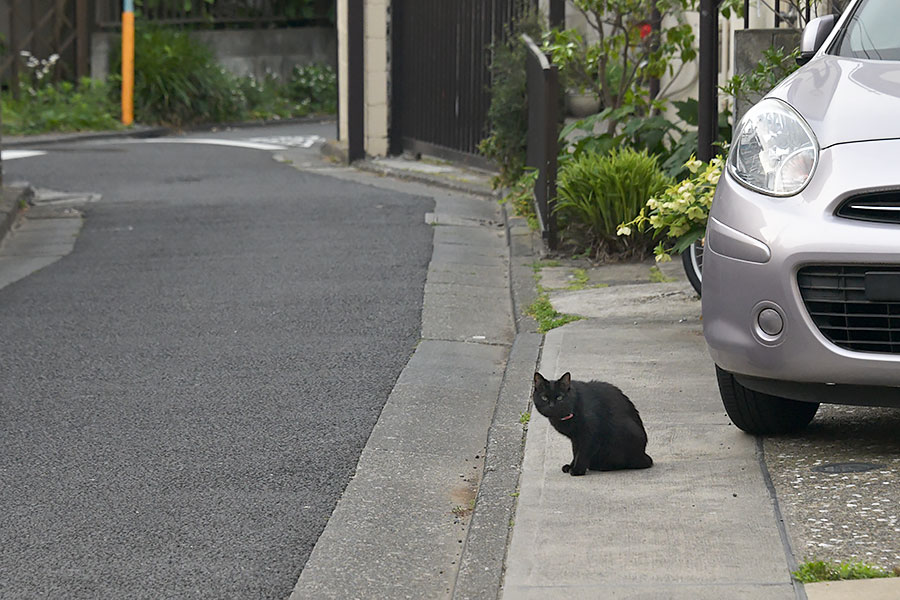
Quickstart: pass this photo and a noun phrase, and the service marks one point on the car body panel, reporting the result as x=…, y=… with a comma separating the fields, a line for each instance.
x=829, y=91
x=798, y=231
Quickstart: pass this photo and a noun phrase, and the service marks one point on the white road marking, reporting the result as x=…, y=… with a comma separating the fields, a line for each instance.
x=14, y=154
x=215, y=142
x=291, y=141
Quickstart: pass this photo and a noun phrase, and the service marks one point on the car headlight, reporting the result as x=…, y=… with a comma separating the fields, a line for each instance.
x=774, y=151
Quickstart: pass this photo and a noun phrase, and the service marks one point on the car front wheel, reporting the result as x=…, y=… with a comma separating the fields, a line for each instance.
x=759, y=413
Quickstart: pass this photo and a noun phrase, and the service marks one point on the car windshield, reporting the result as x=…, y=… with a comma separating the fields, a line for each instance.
x=871, y=32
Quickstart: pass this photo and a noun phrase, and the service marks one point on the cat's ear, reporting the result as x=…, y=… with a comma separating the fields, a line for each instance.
x=539, y=380
x=566, y=381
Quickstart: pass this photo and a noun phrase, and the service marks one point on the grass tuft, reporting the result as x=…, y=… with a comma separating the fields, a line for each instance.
x=546, y=316
x=819, y=570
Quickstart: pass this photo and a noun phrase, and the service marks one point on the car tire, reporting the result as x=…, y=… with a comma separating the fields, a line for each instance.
x=762, y=414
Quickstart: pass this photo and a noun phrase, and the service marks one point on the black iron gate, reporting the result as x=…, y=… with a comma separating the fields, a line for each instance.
x=440, y=72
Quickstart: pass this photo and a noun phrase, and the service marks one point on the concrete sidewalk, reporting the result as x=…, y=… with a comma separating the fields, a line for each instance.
x=704, y=522
x=700, y=523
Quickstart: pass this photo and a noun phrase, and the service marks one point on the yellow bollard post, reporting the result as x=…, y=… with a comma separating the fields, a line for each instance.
x=128, y=62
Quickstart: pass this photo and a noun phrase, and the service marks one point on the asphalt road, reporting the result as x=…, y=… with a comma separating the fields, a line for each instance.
x=184, y=397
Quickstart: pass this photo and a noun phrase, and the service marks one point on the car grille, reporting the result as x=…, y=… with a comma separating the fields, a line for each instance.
x=835, y=297
x=883, y=207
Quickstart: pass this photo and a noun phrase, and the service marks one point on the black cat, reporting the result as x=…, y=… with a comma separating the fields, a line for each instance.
x=604, y=426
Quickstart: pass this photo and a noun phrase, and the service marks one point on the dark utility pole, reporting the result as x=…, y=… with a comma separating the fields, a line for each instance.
x=557, y=15
x=356, y=76
x=708, y=102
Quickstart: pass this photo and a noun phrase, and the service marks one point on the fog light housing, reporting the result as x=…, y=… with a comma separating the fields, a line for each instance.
x=768, y=323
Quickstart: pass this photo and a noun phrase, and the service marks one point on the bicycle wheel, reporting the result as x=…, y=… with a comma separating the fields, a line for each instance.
x=692, y=260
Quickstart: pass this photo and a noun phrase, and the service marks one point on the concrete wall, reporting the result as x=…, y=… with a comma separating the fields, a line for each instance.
x=255, y=52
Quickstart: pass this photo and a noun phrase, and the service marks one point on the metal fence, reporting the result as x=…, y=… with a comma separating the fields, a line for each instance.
x=108, y=13
x=440, y=57
x=63, y=27
x=543, y=135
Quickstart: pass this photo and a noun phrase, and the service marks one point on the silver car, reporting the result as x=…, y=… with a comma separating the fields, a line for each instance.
x=801, y=271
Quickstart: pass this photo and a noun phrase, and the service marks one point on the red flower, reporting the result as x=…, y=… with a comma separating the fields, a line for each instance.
x=645, y=30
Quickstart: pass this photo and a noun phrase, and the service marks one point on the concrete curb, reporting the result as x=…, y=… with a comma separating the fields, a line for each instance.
x=434, y=180
x=482, y=563
x=81, y=136
x=12, y=201
x=144, y=131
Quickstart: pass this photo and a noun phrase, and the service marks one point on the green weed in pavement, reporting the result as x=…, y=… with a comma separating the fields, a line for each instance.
x=657, y=276
x=819, y=570
x=546, y=316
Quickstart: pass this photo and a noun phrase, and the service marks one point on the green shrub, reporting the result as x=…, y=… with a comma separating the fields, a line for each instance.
x=597, y=192
x=60, y=107
x=313, y=88
x=520, y=197
x=177, y=81
x=43, y=105
x=265, y=99
x=776, y=64
x=679, y=213
x=507, y=142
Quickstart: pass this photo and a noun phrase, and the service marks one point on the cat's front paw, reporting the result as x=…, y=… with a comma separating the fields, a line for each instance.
x=566, y=468
x=576, y=472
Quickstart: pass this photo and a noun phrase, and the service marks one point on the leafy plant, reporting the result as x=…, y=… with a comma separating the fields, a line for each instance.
x=521, y=197
x=672, y=143
x=680, y=213
x=314, y=88
x=40, y=105
x=629, y=52
x=597, y=192
x=776, y=64
x=508, y=112
x=811, y=572
x=177, y=81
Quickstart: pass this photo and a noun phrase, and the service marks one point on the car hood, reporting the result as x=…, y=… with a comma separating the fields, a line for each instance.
x=846, y=100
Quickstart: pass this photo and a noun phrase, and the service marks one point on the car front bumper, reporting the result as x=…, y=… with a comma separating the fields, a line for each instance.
x=755, y=247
